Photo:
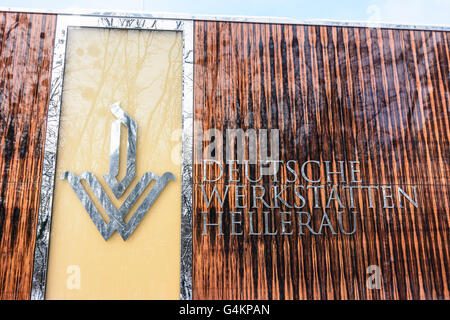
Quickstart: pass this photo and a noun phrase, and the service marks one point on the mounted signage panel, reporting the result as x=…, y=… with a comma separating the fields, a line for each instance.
x=119, y=103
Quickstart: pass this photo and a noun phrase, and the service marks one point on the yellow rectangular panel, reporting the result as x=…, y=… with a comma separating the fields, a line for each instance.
x=141, y=70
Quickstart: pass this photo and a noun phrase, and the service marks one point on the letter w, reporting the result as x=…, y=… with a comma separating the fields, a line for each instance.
x=208, y=202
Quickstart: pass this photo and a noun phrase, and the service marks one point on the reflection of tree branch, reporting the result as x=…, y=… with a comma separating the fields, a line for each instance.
x=105, y=68
x=148, y=35
x=168, y=74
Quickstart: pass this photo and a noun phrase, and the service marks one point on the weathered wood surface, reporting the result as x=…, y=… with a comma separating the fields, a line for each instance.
x=26, y=48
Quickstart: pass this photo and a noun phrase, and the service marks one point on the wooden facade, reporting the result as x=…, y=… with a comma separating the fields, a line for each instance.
x=377, y=96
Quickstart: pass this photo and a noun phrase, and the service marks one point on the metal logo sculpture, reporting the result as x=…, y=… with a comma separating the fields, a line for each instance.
x=118, y=188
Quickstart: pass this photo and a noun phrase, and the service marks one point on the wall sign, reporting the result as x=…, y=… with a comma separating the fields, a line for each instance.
x=112, y=74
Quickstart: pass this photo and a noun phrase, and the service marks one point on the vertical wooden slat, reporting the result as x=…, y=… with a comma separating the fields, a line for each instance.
x=26, y=50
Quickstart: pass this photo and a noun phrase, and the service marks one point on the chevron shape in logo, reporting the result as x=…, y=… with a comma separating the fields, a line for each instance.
x=118, y=188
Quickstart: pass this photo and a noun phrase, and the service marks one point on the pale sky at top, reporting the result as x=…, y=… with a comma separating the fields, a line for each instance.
x=435, y=12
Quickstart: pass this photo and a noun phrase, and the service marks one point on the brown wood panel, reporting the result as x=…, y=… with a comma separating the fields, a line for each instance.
x=26, y=47
x=379, y=96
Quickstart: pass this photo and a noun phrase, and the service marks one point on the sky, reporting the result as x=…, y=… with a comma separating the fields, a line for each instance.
x=431, y=12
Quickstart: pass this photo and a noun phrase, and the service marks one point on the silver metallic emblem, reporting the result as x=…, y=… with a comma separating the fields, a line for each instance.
x=118, y=188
